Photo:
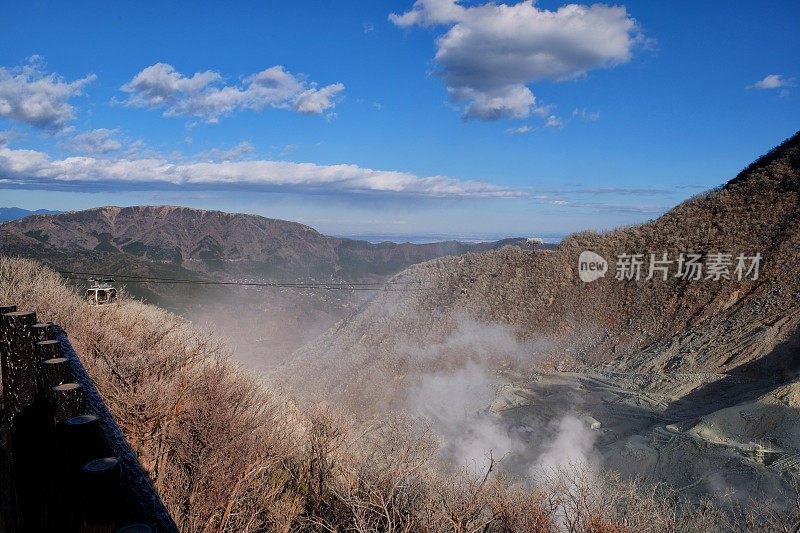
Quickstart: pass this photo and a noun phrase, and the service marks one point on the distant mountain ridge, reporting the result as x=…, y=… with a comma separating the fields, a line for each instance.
x=184, y=243
x=214, y=243
x=15, y=213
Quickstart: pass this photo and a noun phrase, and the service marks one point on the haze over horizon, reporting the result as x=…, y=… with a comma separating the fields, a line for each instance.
x=394, y=118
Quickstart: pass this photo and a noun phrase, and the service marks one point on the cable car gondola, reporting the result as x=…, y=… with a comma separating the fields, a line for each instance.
x=100, y=292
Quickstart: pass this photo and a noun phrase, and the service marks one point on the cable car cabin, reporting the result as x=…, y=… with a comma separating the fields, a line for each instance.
x=101, y=293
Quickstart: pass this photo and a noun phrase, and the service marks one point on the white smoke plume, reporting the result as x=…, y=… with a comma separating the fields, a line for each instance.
x=572, y=446
x=456, y=400
x=456, y=404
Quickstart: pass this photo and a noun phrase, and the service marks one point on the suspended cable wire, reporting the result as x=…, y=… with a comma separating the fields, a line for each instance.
x=359, y=286
x=151, y=278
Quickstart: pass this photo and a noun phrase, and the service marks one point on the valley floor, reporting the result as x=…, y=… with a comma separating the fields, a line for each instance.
x=701, y=434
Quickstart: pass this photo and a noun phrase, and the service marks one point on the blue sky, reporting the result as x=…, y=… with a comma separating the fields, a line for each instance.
x=440, y=117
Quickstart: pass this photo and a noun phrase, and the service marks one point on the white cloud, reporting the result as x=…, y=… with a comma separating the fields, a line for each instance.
x=239, y=151
x=9, y=136
x=543, y=110
x=33, y=169
x=583, y=114
x=773, y=81
x=29, y=94
x=100, y=141
x=491, y=52
x=315, y=101
x=205, y=95
x=138, y=149
x=510, y=101
x=551, y=122
x=521, y=129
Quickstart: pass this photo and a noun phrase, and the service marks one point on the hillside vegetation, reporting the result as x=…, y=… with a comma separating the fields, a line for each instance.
x=226, y=454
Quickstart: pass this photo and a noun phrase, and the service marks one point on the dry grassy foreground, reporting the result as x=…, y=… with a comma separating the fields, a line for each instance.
x=228, y=455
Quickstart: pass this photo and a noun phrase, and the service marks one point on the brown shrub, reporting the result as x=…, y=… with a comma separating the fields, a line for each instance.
x=226, y=454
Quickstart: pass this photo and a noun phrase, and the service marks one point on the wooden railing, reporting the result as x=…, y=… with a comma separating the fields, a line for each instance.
x=65, y=465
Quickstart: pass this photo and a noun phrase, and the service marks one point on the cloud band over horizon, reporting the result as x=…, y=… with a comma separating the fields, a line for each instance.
x=22, y=168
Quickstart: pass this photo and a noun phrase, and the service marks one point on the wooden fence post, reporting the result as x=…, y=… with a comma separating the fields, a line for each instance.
x=67, y=401
x=101, y=482
x=81, y=439
x=84, y=440
x=19, y=370
x=49, y=349
x=25, y=422
x=43, y=331
x=7, y=497
x=55, y=372
x=45, y=351
x=46, y=445
x=3, y=347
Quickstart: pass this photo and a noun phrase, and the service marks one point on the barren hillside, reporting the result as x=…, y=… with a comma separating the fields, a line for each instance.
x=672, y=325
x=688, y=382
x=227, y=454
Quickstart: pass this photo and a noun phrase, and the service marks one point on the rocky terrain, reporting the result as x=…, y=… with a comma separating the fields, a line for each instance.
x=689, y=381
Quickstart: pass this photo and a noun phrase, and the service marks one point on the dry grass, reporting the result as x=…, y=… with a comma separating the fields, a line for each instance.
x=226, y=454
